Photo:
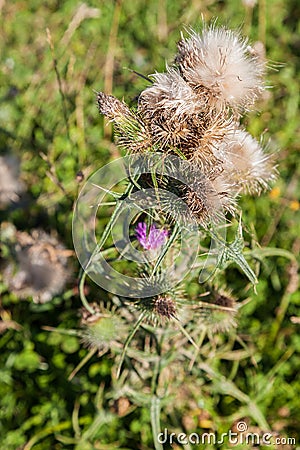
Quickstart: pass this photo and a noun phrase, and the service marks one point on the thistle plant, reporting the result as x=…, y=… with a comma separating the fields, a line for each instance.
x=197, y=160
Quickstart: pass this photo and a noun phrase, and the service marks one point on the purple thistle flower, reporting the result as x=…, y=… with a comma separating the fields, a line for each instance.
x=155, y=239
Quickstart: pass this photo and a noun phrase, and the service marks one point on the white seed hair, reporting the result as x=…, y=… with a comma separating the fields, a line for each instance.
x=219, y=60
x=171, y=92
x=246, y=162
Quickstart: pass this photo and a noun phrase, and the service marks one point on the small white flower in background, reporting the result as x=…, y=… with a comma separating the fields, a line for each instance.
x=10, y=184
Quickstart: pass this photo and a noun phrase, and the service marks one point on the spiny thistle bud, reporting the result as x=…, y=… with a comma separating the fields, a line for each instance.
x=131, y=131
x=164, y=306
x=160, y=307
x=218, y=314
x=103, y=329
x=112, y=108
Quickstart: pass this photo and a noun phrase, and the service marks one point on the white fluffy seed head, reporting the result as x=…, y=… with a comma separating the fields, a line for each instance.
x=246, y=163
x=218, y=59
x=41, y=269
x=170, y=92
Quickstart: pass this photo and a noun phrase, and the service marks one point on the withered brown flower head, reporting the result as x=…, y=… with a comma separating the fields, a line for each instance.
x=112, y=108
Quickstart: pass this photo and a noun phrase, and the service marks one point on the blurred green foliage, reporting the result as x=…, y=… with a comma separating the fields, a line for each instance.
x=48, y=118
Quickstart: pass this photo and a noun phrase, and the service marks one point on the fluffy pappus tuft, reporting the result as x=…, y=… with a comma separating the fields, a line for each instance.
x=246, y=163
x=178, y=118
x=170, y=92
x=170, y=110
x=218, y=60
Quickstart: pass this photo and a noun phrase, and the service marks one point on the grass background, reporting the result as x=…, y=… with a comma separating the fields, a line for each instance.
x=49, y=119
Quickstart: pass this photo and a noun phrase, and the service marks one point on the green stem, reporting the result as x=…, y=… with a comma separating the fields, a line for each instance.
x=82, y=363
x=165, y=249
x=197, y=350
x=97, y=249
x=155, y=421
x=283, y=307
x=82, y=294
x=268, y=252
x=188, y=336
x=128, y=340
x=46, y=432
x=108, y=227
